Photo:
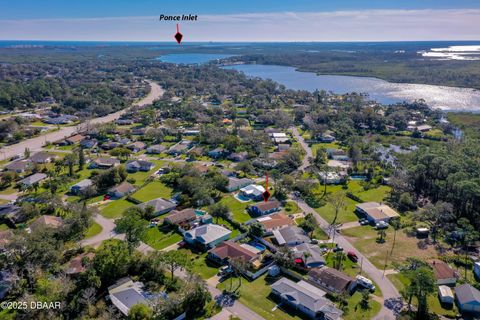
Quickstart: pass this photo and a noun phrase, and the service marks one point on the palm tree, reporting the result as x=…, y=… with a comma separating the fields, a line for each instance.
x=239, y=267
x=395, y=223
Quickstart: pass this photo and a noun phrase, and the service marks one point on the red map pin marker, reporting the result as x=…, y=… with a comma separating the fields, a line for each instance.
x=178, y=36
x=266, y=194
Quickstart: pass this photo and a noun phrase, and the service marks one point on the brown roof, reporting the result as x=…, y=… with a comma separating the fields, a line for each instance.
x=263, y=206
x=47, y=221
x=231, y=250
x=181, y=216
x=76, y=138
x=275, y=220
x=75, y=265
x=442, y=270
x=330, y=277
x=123, y=187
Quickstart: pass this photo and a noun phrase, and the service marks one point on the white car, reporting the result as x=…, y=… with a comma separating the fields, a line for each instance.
x=365, y=282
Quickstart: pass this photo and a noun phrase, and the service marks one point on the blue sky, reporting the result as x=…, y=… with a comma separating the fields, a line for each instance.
x=245, y=20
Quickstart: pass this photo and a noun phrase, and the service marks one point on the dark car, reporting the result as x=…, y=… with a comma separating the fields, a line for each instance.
x=352, y=256
x=337, y=248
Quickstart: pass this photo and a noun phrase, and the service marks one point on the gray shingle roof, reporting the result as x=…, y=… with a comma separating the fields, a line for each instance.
x=467, y=293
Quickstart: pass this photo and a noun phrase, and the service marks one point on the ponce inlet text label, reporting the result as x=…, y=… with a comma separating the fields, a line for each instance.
x=183, y=17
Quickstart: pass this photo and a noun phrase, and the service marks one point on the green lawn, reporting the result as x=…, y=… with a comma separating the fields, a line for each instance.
x=291, y=207
x=364, y=238
x=237, y=208
x=153, y=190
x=348, y=213
x=434, y=305
x=160, y=239
x=200, y=265
x=141, y=176
x=3, y=227
x=355, y=312
x=94, y=229
x=115, y=208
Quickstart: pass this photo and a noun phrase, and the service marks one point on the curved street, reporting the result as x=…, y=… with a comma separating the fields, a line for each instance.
x=35, y=144
x=389, y=291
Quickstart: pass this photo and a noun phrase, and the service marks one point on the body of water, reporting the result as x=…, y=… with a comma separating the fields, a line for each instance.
x=441, y=97
x=192, y=58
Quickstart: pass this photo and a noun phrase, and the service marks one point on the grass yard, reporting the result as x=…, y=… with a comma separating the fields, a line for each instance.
x=348, y=213
x=291, y=207
x=434, y=305
x=141, y=176
x=4, y=227
x=94, y=229
x=153, y=190
x=365, y=237
x=355, y=312
x=237, y=208
x=255, y=295
x=331, y=145
x=200, y=265
x=115, y=208
x=159, y=239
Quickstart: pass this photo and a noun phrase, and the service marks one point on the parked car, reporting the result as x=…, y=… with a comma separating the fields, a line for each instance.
x=224, y=271
x=365, y=282
x=337, y=248
x=363, y=222
x=381, y=225
x=352, y=255
x=314, y=241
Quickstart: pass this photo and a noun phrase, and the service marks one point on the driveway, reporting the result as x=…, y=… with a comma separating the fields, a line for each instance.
x=388, y=289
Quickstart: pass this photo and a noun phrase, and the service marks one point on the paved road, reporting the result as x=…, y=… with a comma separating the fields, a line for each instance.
x=388, y=289
x=308, y=150
x=36, y=143
x=108, y=225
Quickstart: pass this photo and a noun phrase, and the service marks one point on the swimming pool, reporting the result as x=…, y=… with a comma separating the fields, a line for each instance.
x=258, y=246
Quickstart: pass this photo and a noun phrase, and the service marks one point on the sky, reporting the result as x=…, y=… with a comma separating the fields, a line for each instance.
x=245, y=20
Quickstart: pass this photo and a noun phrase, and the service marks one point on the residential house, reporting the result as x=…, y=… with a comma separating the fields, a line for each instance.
x=290, y=236
x=424, y=128
x=283, y=147
x=88, y=143
x=468, y=299
x=326, y=138
x=445, y=294
x=109, y=145
x=207, y=236
x=42, y=157
x=310, y=255
x=139, y=131
x=160, y=206
x=121, y=190
x=279, y=137
x=182, y=217
x=337, y=154
x=19, y=166
x=238, y=156
x=263, y=208
x=275, y=221
x=81, y=186
x=139, y=165
x=376, y=212
x=12, y=214
x=235, y=184
x=124, y=122
x=330, y=177
x=125, y=293
x=156, y=149
x=476, y=269
x=444, y=274
x=217, y=153
x=104, y=163
x=331, y=280
x=191, y=132
x=74, y=139
x=306, y=298
x=229, y=250
x=46, y=221
x=253, y=192
x=137, y=146
x=76, y=265
x=60, y=119
x=32, y=180
x=180, y=147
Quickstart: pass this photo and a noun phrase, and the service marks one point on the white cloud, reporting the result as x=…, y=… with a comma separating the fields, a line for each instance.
x=358, y=25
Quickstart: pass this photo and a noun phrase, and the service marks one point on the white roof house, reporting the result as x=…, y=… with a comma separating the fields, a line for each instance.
x=125, y=294
x=207, y=235
x=445, y=294
x=253, y=191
